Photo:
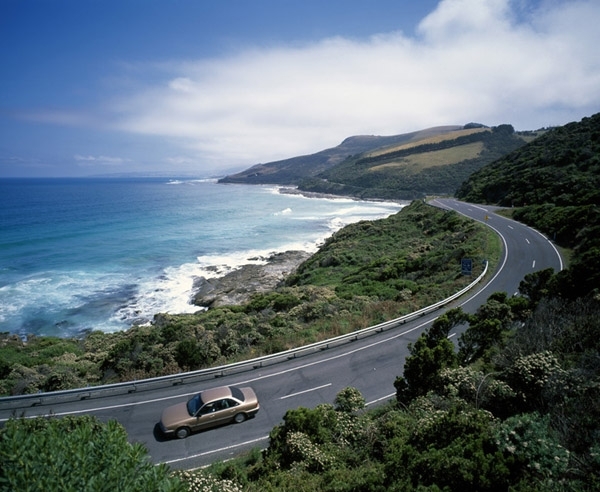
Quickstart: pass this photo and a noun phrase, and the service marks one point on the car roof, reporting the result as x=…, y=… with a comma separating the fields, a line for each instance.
x=216, y=394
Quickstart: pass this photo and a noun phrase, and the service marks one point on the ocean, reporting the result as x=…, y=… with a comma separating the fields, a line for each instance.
x=106, y=253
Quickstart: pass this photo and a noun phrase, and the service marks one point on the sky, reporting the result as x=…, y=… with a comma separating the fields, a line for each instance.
x=207, y=88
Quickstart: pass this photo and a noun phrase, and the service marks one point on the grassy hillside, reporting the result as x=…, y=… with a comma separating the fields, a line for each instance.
x=561, y=167
x=364, y=274
x=433, y=165
x=424, y=140
x=407, y=166
x=513, y=407
x=292, y=171
x=553, y=183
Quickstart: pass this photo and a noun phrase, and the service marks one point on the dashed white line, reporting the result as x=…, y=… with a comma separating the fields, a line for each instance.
x=386, y=397
x=212, y=451
x=305, y=391
x=253, y=441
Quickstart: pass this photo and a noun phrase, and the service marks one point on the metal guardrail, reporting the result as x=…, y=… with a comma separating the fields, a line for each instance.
x=42, y=399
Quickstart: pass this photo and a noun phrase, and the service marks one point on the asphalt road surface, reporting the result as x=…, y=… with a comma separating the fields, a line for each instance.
x=370, y=364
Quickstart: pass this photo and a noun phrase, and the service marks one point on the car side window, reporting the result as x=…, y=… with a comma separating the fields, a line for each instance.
x=230, y=403
x=208, y=408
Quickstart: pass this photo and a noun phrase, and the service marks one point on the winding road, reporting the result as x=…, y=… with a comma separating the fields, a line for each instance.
x=370, y=364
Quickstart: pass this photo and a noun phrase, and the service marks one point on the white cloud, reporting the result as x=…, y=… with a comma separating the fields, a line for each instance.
x=472, y=61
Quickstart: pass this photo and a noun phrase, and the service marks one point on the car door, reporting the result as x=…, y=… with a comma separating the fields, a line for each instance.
x=226, y=409
x=206, y=416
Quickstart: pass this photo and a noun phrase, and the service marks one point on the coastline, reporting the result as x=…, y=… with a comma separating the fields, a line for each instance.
x=238, y=286
x=123, y=275
x=290, y=190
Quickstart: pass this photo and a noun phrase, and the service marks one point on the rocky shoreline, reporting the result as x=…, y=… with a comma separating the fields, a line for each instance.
x=237, y=287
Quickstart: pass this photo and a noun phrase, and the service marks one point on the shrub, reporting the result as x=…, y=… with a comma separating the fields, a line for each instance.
x=349, y=400
x=76, y=453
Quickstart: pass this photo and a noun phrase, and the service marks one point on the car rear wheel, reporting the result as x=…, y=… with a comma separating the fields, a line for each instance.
x=182, y=432
x=239, y=418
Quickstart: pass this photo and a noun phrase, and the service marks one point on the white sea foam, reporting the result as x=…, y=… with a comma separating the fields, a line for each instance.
x=191, y=181
x=141, y=256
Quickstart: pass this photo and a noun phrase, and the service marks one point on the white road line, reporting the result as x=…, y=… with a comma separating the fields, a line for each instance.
x=305, y=391
x=216, y=450
x=253, y=441
x=553, y=247
x=303, y=366
x=257, y=378
x=386, y=397
x=533, y=266
x=527, y=241
x=96, y=409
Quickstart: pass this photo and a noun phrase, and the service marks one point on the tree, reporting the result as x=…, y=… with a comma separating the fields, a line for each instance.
x=451, y=447
x=349, y=400
x=534, y=285
x=485, y=329
x=77, y=453
x=535, y=456
x=431, y=353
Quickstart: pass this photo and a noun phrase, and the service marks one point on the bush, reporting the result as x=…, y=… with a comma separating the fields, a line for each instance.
x=349, y=400
x=76, y=453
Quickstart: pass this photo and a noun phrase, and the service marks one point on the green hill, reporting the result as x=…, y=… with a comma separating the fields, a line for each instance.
x=407, y=166
x=294, y=170
x=435, y=165
x=554, y=183
x=514, y=408
x=561, y=167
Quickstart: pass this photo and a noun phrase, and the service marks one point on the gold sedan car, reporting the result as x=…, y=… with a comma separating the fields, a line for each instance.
x=209, y=408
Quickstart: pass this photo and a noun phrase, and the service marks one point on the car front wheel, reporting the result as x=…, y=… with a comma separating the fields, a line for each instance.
x=182, y=432
x=239, y=418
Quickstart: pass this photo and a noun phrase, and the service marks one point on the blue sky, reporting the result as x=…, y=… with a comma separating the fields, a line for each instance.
x=210, y=87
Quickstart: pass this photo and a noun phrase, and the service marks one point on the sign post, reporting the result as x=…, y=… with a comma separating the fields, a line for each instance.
x=466, y=266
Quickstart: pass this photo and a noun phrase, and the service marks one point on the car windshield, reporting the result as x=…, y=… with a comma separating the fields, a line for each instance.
x=194, y=404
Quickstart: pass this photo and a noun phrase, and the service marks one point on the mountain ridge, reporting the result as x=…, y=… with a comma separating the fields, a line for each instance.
x=293, y=170
x=434, y=160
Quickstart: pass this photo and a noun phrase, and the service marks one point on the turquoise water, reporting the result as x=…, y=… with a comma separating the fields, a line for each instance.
x=81, y=254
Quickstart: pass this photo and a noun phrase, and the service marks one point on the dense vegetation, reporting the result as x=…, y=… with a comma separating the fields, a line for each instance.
x=76, y=454
x=514, y=406
x=412, y=171
x=561, y=167
x=554, y=183
x=405, y=167
x=366, y=273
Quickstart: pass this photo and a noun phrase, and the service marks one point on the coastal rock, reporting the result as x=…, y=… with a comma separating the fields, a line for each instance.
x=237, y=287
